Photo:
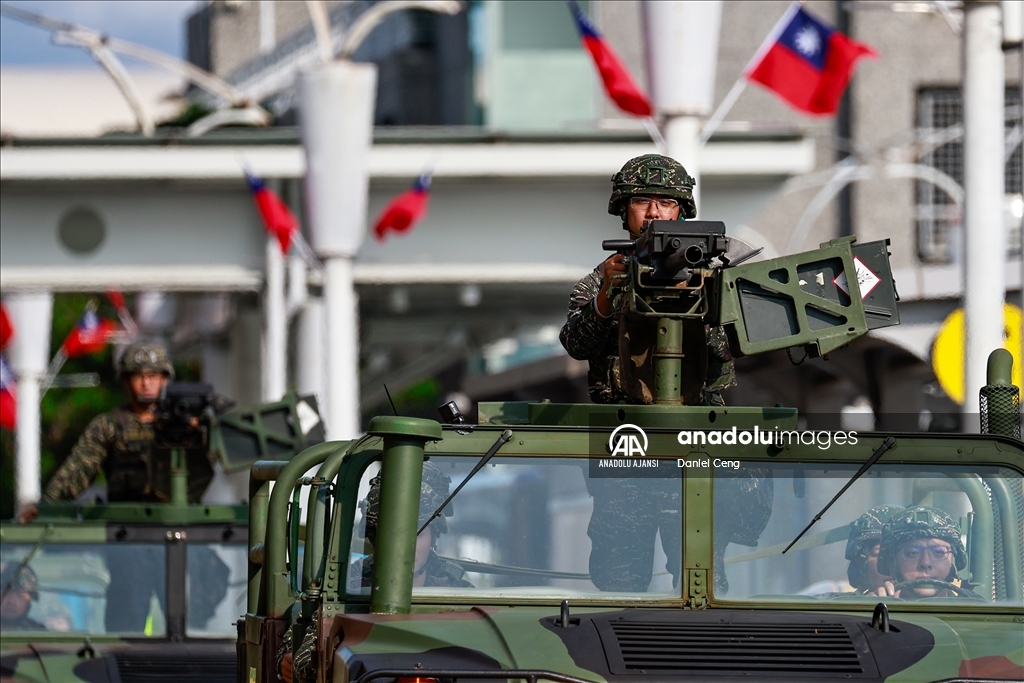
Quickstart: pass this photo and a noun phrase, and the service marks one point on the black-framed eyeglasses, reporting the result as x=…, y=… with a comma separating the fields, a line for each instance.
x=665, y=203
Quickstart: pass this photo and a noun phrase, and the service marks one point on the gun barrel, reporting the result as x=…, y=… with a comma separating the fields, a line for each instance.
x=620, y=246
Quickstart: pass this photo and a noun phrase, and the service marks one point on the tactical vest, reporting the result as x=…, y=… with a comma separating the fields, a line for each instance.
x=139, y=473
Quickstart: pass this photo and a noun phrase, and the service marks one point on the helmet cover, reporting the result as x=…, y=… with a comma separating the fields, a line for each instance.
x=145, y=356
x=655, y=175
x=918, y=523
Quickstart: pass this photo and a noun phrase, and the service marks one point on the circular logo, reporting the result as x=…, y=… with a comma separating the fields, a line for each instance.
x=628, y=440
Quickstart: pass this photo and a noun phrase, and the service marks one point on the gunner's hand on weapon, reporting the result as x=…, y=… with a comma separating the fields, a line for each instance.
x=612, y=266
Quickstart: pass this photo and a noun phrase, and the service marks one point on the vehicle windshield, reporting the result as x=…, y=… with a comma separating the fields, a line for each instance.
x=538, y=527
x=119, y=588
x=914, y=533
x=547, y=528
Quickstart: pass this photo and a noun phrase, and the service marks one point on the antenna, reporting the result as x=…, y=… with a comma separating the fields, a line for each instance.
x=389, y=399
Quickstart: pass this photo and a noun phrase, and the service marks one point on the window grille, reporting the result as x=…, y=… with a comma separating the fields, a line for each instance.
x=939, y=219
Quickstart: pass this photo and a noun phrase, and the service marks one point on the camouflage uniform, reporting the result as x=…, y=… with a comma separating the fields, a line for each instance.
x=743, y=506
x=303, y=663
x=121, y=444
x=588, y=336
x=922, y=522
x=865, y=534
x=14, y=577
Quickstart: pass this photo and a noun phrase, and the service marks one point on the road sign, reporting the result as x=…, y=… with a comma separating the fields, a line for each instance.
x=948, y=350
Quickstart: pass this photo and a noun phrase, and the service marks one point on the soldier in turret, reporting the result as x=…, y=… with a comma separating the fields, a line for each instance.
x=649, y=187
x=120, y=442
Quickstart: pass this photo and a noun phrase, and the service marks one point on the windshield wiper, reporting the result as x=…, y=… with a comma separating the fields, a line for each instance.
x=505, y=437
x=886, y=445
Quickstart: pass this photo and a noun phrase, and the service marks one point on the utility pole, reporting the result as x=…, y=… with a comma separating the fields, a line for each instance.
x=984, y=228
x=681, y=42
x=337, y=105
x=31, y=317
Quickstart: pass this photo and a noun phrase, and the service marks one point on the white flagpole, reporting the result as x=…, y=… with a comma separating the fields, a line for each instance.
x=737, y=88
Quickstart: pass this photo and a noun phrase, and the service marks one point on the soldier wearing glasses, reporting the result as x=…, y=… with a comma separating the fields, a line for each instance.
x=922, y=550
x=649, y=187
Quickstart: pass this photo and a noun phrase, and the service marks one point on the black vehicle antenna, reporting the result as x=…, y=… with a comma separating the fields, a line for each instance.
x=886, y=445
x=505, y=437
x=389, y=399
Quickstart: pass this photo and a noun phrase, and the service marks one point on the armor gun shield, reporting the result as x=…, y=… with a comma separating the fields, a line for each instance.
x=820, y=300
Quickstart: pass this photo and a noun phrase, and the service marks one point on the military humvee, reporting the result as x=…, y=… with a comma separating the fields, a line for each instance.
x=636, y=543
x=144, y=592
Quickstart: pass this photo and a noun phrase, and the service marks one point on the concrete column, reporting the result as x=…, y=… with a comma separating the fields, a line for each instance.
x=274, y=349
x=681, y=47
x=310, y=370
x=682, y=133
x=31, y=317
x=984, y=229
x=337, y=104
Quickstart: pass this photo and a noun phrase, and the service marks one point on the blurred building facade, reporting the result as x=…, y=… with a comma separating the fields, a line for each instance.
x=505, y=105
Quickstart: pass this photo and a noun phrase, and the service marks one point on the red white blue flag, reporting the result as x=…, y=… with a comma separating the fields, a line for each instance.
x=806, y=62
x=618, y=83
x=278, y=219
x=8, y=401
x=6, y=328
x=405, y=210
x=90, y=334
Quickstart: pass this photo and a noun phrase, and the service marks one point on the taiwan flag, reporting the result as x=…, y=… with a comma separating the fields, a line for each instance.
x=405, y=210
x=6, y=328
x=278, y=219
x=806, y=62
x=617, y=81
x=8, y=402
x=90, y=335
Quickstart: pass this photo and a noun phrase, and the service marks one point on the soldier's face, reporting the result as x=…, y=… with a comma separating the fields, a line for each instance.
x=638, y=214
x=925, y=558
x=15, y=604
x=146, y=386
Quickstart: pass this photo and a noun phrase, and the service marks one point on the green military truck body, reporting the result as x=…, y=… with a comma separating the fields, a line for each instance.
x=128, y=593
x=524, y=531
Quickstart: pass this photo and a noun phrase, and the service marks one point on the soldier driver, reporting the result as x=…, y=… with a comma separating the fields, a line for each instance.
x=922, y=549
x=18, y=588
x=649, y=187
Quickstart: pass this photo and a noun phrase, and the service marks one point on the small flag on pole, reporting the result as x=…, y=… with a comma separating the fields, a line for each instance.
x=618, y=83
x=8, y=400
x=806, y=62
x=6, y=328
x=405, y=210
x=278, y=219
x=90, y=334
x=131, y=330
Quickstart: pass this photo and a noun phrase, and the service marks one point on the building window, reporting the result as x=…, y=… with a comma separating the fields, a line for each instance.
x=940, y=129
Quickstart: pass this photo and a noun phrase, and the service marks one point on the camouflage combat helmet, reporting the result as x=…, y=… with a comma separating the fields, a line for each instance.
x=145, y=356
x=919, y=522
x=865, y=534
x=866, y=530
x=652, y=174
x=11, y=579
x=433, y=490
